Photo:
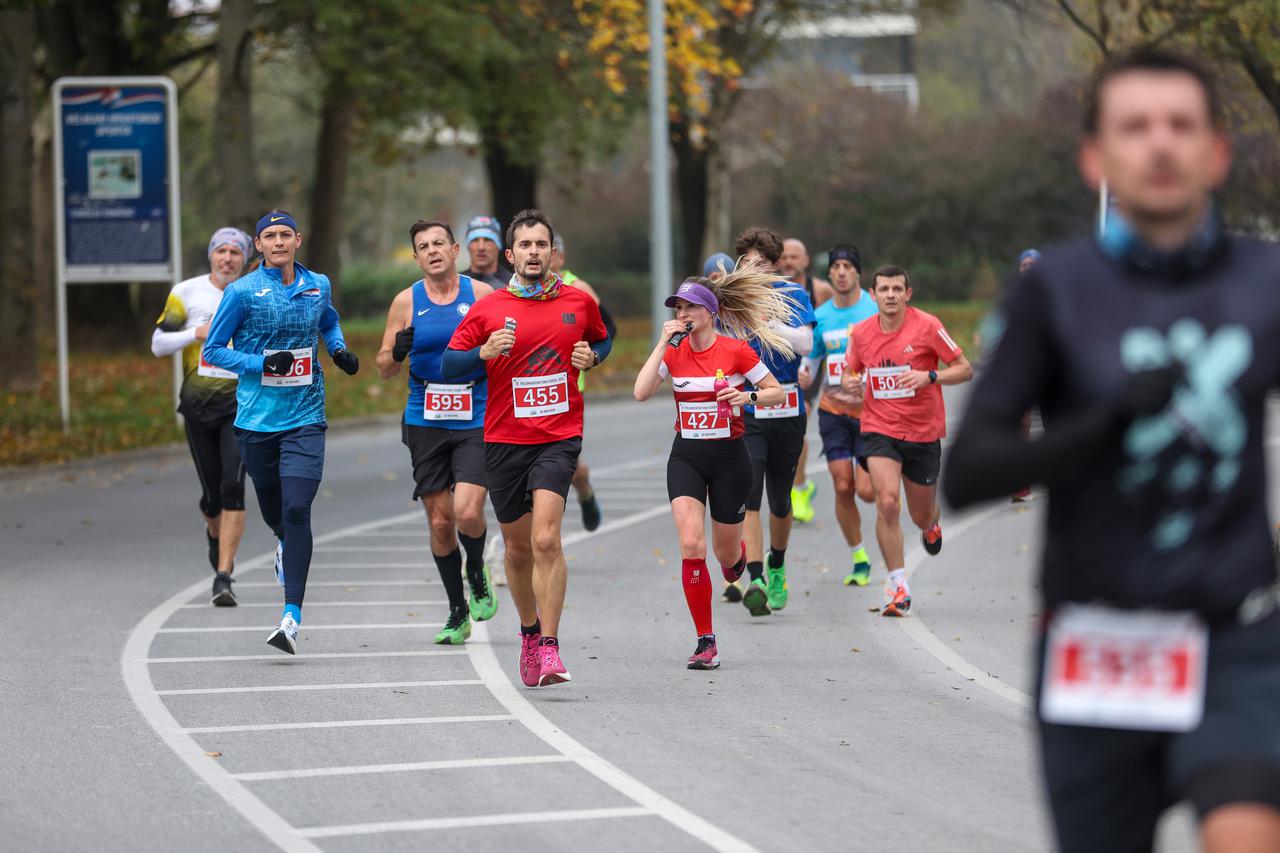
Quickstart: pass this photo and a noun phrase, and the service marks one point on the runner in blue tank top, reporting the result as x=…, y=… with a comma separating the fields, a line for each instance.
x=274, y=315
x=443, y=424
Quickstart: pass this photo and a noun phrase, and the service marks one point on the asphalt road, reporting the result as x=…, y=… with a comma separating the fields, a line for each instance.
x=135, y=717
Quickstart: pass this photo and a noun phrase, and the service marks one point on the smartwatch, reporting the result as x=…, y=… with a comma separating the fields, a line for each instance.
x=753, y=397
x=933, y=376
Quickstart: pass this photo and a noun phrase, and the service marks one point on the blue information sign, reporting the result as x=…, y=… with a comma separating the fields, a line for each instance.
x=116, y=193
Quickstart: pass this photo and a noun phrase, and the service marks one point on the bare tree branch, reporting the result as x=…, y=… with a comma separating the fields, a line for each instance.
x=1095, y=36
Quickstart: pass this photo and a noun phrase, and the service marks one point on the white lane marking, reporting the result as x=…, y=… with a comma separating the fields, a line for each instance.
x=420, y=533
x=357, y=583
x=408, y=602
x=369, y=549
x=406, y=767
x=420, y=565
x=310, y=656
x=289, y=688
x=483, y=658
x=476, y=820
x=347, y=724
x=233, y=629
x=918, y=631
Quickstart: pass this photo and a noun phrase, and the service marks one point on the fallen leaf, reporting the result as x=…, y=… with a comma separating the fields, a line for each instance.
x=213, y=755
x=856, y=650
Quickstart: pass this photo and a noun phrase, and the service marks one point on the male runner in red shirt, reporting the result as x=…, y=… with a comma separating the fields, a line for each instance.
x=903, y=416
x=532, y=339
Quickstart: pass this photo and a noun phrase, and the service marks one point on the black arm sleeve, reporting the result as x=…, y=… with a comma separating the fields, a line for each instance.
x=609, y=326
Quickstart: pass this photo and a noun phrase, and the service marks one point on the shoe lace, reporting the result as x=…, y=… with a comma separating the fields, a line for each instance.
x=704, y=644
x=479, y=588
x=456, y=618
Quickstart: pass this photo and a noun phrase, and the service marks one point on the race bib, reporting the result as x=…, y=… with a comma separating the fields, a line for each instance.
x=207, y=369
x=446, y=402
x=883, y=382
x=788, y=408
x=835, y=369
x=300, y=373
x=1124, y=669
x=539, y=396
x=702, y=420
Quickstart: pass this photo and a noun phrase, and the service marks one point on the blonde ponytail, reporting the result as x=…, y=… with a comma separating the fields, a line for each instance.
x=749, y=304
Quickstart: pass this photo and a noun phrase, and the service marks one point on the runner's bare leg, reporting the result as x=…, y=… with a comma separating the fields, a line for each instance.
x=550, y=575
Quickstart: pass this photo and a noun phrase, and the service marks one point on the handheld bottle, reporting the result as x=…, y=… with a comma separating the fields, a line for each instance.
x=723, y=410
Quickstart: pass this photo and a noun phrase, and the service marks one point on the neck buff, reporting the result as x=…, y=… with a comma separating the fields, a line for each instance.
x=543, y=288
x=1120, y=240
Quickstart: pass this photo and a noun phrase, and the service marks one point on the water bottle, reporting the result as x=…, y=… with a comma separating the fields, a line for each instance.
x=723, y=410
x=511, y=325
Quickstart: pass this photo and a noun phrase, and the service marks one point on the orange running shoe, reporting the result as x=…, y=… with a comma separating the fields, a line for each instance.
x=932, y=539
x=900, y=604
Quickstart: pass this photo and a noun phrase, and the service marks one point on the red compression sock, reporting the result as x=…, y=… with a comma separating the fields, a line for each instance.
x=697, y=594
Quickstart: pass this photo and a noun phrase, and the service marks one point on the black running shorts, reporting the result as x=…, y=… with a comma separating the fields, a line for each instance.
x=775, y=445
x=716, y=472
x=514, y=471
x=841, y=436
x=1108, y=787
x=920, y=460
x=443, y=457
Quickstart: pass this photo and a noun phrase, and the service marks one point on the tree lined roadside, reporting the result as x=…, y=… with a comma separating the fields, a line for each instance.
x=122, y=401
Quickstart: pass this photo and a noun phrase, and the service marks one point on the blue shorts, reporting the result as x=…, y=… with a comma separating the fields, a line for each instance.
x=297, y=452
x=841, y=436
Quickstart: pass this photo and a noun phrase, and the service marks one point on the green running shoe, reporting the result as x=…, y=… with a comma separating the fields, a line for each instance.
x=756, y=598
x=860, y=576
x=778, y=594
x=457, y=630
x=802, y=502
x=483, y=603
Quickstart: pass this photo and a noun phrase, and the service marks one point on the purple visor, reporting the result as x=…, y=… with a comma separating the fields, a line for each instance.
x=696, y=293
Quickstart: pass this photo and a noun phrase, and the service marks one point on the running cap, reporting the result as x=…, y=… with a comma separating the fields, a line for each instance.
x=845, y=253
x=696, y=293
x=233, y=237
x=1028, y=255
x=486, y=227
x=714, y=263
x=274, y=217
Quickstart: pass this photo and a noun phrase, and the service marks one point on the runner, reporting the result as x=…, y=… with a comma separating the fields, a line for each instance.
x=1027, y=260
x=532, y=339
x=207, y=401
x=442, y=422
x=709, y=463
x=582, y=476
x=1150, y=350
x=774, y=435
x=839, y=416
x=795, y=263
x=904, y=418
x=274, y=314
x=717, y=266
x=484, y=247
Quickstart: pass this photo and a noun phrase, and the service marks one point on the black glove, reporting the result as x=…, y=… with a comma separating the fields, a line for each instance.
x=404, y=343
x=346, y=361
x=278, y=363
x=1150, y=391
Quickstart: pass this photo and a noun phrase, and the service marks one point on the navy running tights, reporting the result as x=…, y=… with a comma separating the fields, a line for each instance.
x=286, y=508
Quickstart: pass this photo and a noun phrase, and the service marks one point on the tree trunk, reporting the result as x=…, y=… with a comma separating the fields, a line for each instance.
x=692, y=179
x=716, y=236
x=512, y=186
x=18, y=292
x=322, y=243
x=233, y=124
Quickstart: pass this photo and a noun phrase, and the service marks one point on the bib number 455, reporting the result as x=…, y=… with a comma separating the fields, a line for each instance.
x=540, y=396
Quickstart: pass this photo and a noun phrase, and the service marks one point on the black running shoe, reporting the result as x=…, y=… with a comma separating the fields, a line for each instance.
x=222, y=594
x=213, y=549
x=591, y=512
x=732, y=592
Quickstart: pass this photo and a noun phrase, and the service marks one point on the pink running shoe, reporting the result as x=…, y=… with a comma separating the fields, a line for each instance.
x=553, y=671
x=705, y=656
x=530, y=660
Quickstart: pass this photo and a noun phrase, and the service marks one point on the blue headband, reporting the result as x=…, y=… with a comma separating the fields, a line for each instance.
x=276, y=217
x=1031, y=254
x=231, y=237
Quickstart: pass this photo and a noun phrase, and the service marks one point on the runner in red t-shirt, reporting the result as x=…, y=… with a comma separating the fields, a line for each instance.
x=533, y=339
x=891, y=367
x=710, y=463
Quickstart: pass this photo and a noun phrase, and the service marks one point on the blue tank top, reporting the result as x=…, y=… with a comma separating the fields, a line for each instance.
x=433, y=327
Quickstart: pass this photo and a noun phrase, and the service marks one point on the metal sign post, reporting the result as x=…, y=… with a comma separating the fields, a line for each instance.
x=115, y=191
x=660, y=174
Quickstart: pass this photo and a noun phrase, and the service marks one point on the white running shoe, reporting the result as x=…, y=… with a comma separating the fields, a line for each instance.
x=280, y=563
x=285, y=638
x=495, y=552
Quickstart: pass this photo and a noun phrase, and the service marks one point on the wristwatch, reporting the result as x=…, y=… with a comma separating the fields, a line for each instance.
x=933, y=376
x=595, y=358
x=753, y=397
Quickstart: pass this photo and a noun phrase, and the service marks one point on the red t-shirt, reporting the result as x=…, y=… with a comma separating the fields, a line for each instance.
x=919, y=344
x=693, y=379
x=533, y=391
